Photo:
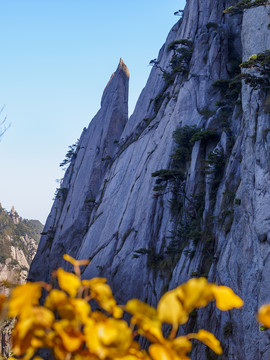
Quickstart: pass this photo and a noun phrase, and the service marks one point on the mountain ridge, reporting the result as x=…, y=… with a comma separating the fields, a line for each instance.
x=18, y=244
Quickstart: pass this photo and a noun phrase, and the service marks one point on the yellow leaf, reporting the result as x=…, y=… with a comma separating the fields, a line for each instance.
x=108, y=338
x=159, y=352
x=30, y=324
x=196, y=293
x=226, y=299
x=264, y=315
x=137, y=307
x=68, y=282
x=43, y=317
x=102, y=293
x=22, y=297
x=91, y=282
x=117, y=312
x=146, y=318
x=37, y=343
x=92, y=340
x=75, y=262
x=67, y=308
x=167, y=352
x=55, y=299
x=71, y=339
x=81, y=308
x=182, y=345
x=115, y=333
x=208, y=339
x=170, y=308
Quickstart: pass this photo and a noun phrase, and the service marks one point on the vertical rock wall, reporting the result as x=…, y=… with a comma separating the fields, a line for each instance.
x=107, y=208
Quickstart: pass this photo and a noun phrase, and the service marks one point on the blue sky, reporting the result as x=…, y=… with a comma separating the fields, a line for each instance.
x=57, y=56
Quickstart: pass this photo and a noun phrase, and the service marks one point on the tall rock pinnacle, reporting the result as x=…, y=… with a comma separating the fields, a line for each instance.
x=68, y=220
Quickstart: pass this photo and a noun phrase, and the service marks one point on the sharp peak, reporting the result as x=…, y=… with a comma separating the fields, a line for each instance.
x=122, y=66
x=121, y=69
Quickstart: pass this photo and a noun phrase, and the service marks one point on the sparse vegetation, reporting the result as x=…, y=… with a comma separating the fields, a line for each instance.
x=244, y=4
x=61, y=193
x=206, y=112
x=71, y=153
x=211, y=25
x=178, y=13
x=258, y=70
x=179, y=64
x=180, y=156
x=215, y=164
x=204, y=136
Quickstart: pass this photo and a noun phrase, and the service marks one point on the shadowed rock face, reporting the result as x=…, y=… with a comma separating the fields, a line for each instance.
x=108, y=209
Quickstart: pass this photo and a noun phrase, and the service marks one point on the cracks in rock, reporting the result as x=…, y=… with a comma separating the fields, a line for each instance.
x=254, y=130
x=137, y=178
x=124, y=238
x=98, y=250
x=148, y=157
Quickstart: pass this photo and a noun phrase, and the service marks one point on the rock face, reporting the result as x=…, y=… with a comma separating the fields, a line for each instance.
x=208, y=214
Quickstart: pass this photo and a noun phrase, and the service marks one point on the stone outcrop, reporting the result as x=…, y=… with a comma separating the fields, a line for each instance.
x=210, y=221
x=18, y=245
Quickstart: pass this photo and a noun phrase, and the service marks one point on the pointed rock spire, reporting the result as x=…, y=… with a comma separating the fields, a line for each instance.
x=122, y=66
x=117, y=83
x=71, y=211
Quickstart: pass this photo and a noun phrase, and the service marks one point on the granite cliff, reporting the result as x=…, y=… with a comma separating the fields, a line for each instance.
x=182, y=187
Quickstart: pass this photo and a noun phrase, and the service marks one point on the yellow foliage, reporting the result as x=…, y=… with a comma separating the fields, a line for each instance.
x=23, y=297
x=264, y=315
x=196, y=293
x=108, y=338
x=102, y=293
x=146, y=318
x=208, y=339
x=226, y=298
x=70, y=334
x=160, y=352
x=67, y=326
x=56, y=299
x=172, y=300
x=68, y=282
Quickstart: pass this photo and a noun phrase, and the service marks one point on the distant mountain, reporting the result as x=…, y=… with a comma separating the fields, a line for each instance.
x=18, y=244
